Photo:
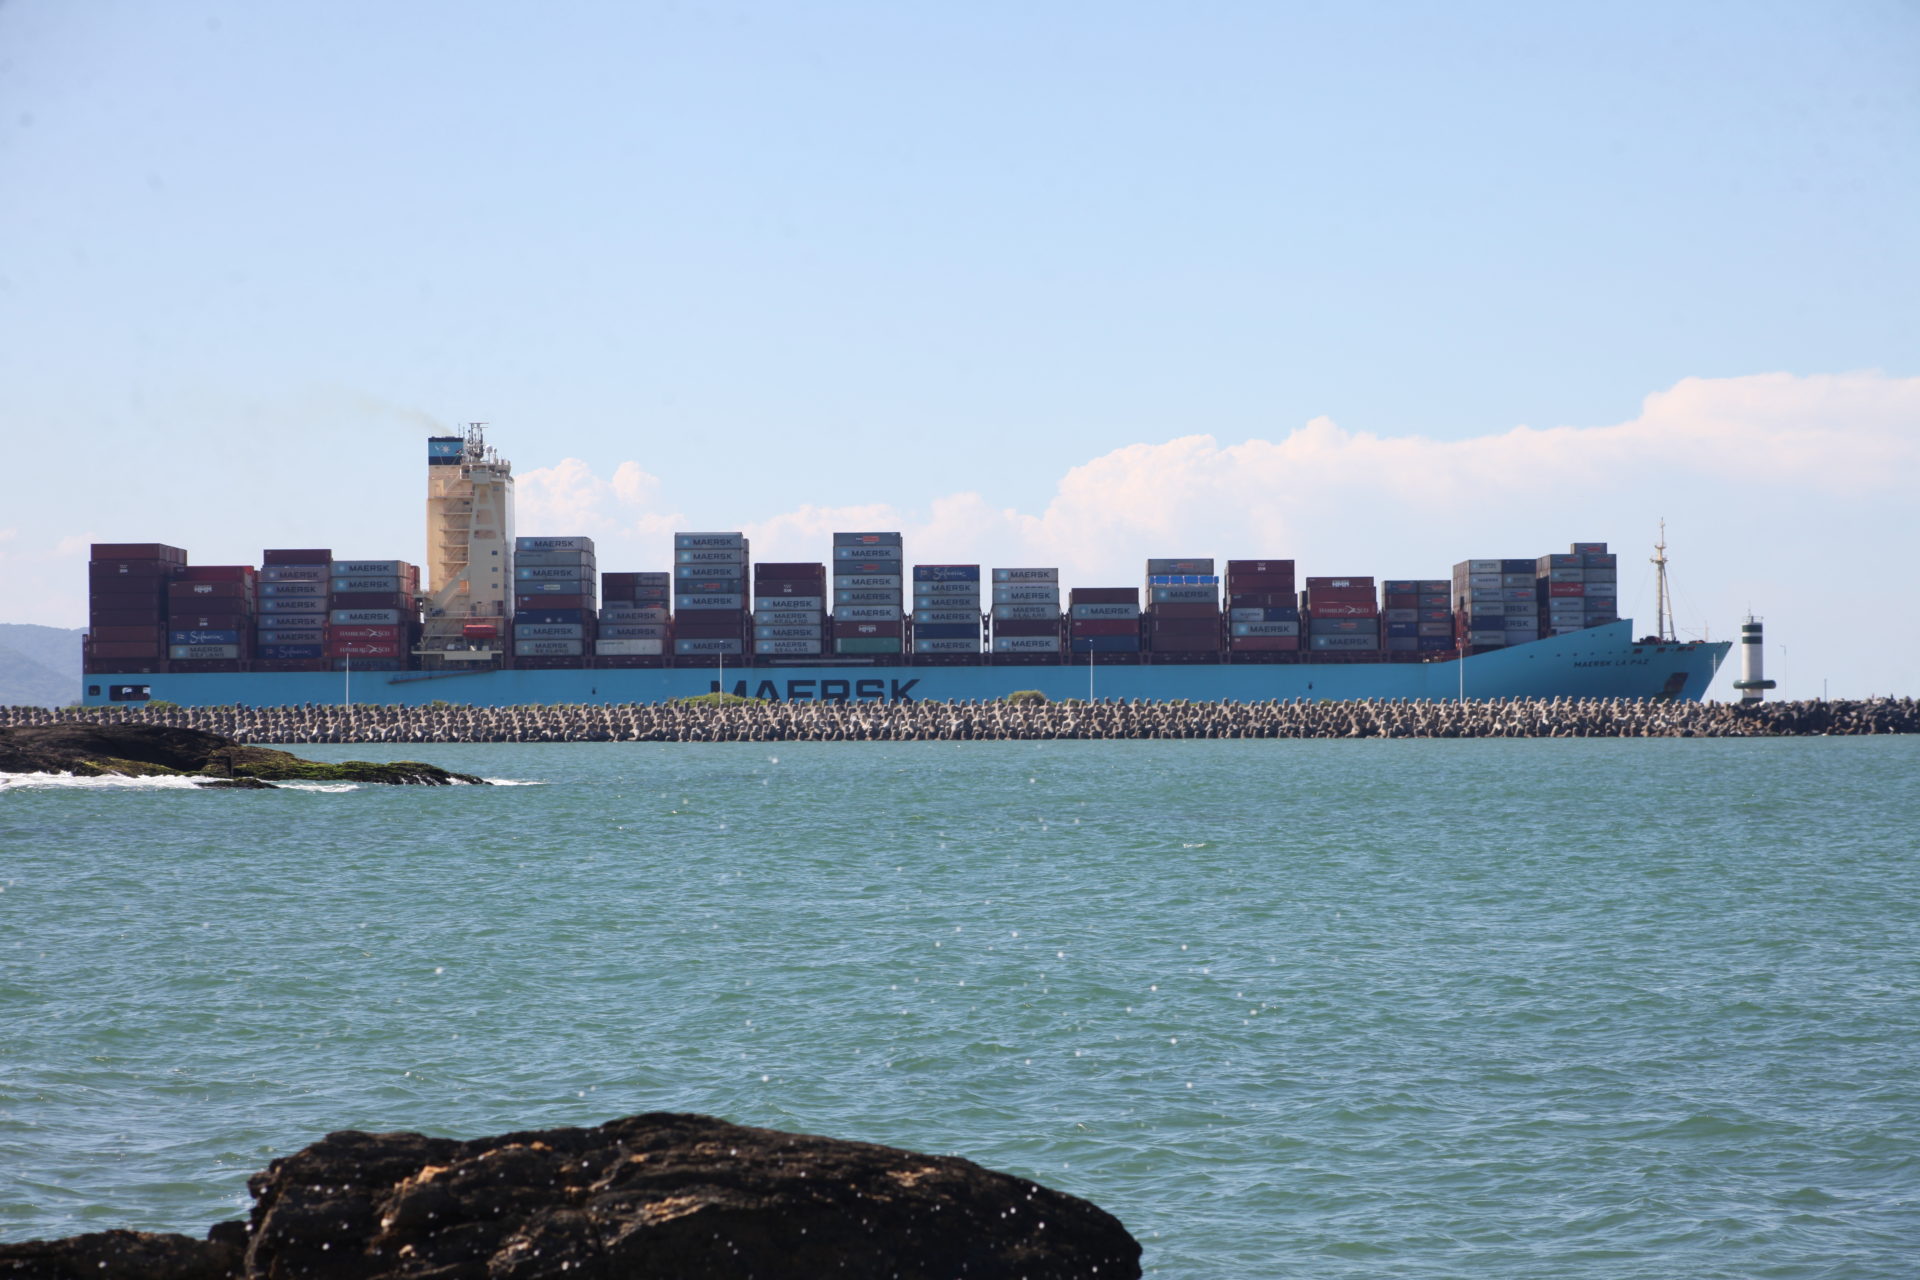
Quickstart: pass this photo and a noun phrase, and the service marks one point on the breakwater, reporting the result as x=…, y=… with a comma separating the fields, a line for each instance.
x=704, y=721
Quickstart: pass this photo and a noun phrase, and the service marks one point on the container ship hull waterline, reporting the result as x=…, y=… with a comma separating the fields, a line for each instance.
x=505, y=620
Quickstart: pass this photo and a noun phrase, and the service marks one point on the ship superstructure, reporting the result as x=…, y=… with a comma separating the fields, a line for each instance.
x=469, y=601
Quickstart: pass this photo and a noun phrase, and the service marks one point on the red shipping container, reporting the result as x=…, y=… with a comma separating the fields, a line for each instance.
x=1162, y=626
x=125, y=635
x=791, y=570
x=1343, y=609
x=1337, y=584
x=1260, y=582
x=298, y=555
x=523, y=603
x=1262, y=600
x=127, y=648
x=867, y=630
x=1104, y=595
x=337, y=648
x=1401, y=602
x=684, y=630
x=1264, y=644
x=154, y=605
x=1179, y=609
x=132, y=571
x=154, y=617
x=1026, y=627
x=138, y=551
x=1100, y=626
x=1335, y=595
x=219, y=573
x=1260, y=566
x=178, y=621
x=182, y=589
x=381, y=600
x=1184, y=644
x=1566, y=588
x=790, y=587
x=385, y=634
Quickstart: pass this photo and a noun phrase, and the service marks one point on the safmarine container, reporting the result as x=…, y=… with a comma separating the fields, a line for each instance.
x=190, y=636
x=281, y=652
x=945, y=573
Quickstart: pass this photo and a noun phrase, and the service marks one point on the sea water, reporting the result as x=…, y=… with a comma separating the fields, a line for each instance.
x=1423, y=1009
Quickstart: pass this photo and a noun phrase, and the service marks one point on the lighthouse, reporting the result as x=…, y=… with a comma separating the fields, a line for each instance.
x=1752, y=684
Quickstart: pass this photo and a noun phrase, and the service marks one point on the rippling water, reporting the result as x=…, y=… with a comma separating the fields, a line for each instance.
x=1475, y=1009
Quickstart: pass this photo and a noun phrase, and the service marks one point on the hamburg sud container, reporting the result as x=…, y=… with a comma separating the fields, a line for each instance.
x=1263, y=613
x=946, y=608
x=869, y=579
x=710, y=618
x=1103, y=621
x=373, y=614
x=1343, y=617
x=127, y=615
x=790, y=609
x=210, y=617
x=635, y=622
x=1026, y=611
x=1183, y=608
x=548, y=570
x=292, y=621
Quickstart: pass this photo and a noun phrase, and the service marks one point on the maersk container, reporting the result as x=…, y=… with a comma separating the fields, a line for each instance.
x=736, y=556
x=765, y=600
x=628, y=648
x=193, y=637
x=292, y=590
x=1185, y=595
x=1018, y=576
x=581, y=560
x=341, y=585
x=365, y=617
x=717, y=647
x=548, y=648
x=1594, y=590
x=786, y=633
x=549, y=631
x=1266, y=628
x=864, y=596
x=938, y=616
x=931, y=573
x=891, y=554
x=1599, y=575
x=971, y=645
x=195, y=652
x=293, y=613
x=1271, y=613
x=789, y=648
x=1433, y=628
x=960, y=588
x=1026, y=612
x=1107, y=612
x=1566, y=575
x=302, y=635
x=1490, y=581
x=708, y=603
x=555, y=544
x=1026, y=644
x=1027, y=594
x=294, y=573
x=790, y=617
x=685, y=573
x=709, y=541
x=368, y=568
x=633, y=631
x=868, y=582
x=868, y=613
x=1344, y=643
x=613, y=614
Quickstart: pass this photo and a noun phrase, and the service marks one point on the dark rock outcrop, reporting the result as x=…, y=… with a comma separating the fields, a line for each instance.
x=145, y=750
x=128, y=1255
x=645, y=1198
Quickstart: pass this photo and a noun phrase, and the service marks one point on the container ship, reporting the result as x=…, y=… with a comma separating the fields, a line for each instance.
x=503, y=619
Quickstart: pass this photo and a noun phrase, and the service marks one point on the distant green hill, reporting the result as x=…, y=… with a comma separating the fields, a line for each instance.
x=39, y=666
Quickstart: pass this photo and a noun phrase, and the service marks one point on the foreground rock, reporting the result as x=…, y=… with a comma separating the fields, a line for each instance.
x=146, y=750
x=645, y=1198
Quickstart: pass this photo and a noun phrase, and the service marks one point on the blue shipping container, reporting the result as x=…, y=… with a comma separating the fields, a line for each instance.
x=1403, y=628
x=946, y=630
x=1106, y=644
x=203, y=637
x=539, y=616
x=1436, y=642
x=291, y=651
x=946, y=573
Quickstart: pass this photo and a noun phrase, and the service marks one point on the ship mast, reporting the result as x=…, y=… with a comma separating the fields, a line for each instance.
x=1663, y=601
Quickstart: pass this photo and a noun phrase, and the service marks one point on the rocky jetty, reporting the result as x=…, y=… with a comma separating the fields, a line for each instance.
x=1022, y=719
x=88, y=748
x=644, y=1198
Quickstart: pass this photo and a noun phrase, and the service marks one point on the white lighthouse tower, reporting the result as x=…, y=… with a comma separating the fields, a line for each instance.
x=1753, y=683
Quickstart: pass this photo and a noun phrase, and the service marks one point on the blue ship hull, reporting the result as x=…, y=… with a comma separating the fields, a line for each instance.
x=1602, y=662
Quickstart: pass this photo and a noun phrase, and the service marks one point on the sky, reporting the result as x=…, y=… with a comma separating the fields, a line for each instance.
x=1374, y=287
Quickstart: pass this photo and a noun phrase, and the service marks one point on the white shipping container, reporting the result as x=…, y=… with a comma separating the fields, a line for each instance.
x=789, y=617
x=1483, y=566
x=199, y=651
x=972, y=588
x=1027, y=595
x=867, y=613
x=947, y=646
x=952, y=617
x=629, y=648
x=707, y=542
x=712, y=555
x=365, y=617
x=548, y=648
x=1110, y=612
x=790, y=602
x=695, y=648
x=705, y=603
x=867, y=553
x=1026, y=612
x=868, y=582
x=786, y=633
x=553, y=544
x=788, y=648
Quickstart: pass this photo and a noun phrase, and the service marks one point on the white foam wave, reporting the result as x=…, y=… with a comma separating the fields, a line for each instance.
x=513, y=782
x=67, y=781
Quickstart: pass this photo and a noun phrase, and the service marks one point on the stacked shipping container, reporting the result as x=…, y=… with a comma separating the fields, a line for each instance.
x=1343, y=618
x=1104, y=622
x=1416, y=618
x=1026, y=611
x=710, y=618
x=946, y=608
x=789, y=610
x=293, y=622
x=210, y=617
x=556, y=584
x=373, y=617
x=127, y=605
x=1183, y=620
x=1578, y=589
x=869, y=588
x=1263, y=613
x=636, y=612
